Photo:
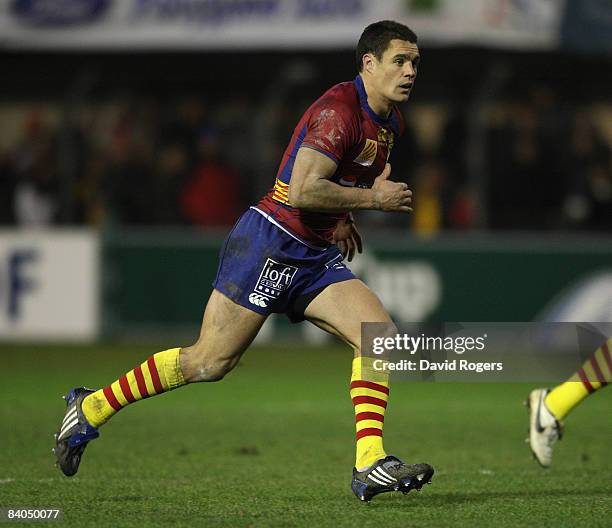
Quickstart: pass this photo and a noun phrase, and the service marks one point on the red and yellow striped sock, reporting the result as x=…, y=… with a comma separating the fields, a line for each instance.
x=370, y=393
x=160, y=373
x=594, y=374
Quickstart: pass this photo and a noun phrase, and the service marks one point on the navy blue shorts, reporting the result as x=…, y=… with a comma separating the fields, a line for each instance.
x=267, y=270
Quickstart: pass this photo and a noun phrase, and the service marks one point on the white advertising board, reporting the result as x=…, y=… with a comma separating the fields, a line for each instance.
x=49, y=284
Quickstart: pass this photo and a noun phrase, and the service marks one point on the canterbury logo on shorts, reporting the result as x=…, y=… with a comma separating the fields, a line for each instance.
x=274, y=279
x=258, y=300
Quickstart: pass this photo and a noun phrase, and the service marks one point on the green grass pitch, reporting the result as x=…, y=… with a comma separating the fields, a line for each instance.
x=272, y=445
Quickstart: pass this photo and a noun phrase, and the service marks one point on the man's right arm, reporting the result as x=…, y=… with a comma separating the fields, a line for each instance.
x=310, y=188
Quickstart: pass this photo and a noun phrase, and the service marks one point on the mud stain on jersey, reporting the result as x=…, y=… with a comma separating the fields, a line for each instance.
x=329, y=126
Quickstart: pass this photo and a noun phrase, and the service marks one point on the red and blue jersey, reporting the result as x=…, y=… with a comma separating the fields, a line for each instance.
x=340, y=125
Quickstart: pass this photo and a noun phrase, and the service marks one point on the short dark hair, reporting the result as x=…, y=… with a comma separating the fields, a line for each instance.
x=376, y=37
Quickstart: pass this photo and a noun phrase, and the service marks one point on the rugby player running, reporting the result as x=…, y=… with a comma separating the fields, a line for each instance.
x=286, y=255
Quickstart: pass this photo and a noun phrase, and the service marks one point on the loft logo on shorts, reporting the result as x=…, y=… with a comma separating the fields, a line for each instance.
x=274, y=279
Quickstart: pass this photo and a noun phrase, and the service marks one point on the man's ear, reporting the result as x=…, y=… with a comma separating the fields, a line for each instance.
x=369, y=62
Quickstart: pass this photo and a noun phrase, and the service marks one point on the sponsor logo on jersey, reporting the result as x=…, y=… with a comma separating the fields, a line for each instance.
x=386, y=139
x=368, y=154
x=58, y=12
x=274, y=279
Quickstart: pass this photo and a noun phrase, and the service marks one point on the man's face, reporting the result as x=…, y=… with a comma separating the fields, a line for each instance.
x=394, y=74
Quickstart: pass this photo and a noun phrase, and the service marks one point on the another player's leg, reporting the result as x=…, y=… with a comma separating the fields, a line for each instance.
x=375, y=472
x=227, y=330
x=548, y=408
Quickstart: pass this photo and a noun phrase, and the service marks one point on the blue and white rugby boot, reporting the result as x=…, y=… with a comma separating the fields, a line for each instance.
x=389, y=474
x=74, y=434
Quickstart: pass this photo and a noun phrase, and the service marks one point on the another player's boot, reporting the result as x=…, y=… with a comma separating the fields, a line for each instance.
x=74, y=434
x=544, y=428
x=389, y=474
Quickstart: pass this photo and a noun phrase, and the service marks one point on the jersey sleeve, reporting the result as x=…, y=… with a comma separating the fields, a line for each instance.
x=331, y=129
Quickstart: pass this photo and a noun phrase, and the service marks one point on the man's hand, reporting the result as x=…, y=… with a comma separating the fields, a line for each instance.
x=390, y=195
x=347, y=238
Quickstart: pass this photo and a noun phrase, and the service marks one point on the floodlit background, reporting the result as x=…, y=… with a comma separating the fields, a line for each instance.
x=132, y=135
x=135, y=133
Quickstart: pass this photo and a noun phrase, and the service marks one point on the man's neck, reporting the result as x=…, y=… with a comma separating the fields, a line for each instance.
x=380, y=105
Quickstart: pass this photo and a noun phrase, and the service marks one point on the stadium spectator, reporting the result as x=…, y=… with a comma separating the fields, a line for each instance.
x=89, y=200
x=211, y=197
x=127, y=182
x=169, y=174
x=183, y=123
x=36, y=200
x=462, y=212
x=428, y=218
x=454, y=145
x=37, y=189
x=8, y=183
x=516, y=168
x=588, y=172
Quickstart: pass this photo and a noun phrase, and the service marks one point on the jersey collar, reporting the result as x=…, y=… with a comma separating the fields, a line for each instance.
x=363, y=98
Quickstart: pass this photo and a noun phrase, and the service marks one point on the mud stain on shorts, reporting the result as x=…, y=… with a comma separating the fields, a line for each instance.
x=237, y=246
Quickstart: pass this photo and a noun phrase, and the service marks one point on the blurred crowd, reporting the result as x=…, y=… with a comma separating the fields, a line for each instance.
x=525, y=163
x=120, y=163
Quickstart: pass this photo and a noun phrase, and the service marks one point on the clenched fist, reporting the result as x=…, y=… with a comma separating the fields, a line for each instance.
x=390, y=195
